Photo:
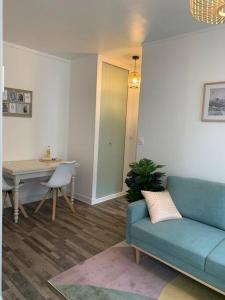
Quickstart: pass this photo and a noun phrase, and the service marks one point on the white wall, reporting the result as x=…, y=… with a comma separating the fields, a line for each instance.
x=82, y=122
x=49, y=79
x=174, y=72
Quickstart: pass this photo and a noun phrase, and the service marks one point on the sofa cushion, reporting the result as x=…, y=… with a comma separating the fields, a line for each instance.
x=160, y=206
x=215, y=262
x=200, y=200
x=185, y=239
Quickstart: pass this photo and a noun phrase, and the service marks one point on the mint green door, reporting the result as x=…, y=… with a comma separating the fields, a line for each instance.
x=112, y=130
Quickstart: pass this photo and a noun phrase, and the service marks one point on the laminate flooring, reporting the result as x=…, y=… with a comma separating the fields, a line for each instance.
x=37, y=249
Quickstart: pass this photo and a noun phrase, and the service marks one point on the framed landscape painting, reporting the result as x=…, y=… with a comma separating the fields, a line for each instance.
x=214, y=102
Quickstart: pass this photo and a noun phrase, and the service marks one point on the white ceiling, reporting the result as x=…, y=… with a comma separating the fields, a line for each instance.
x=68, y=28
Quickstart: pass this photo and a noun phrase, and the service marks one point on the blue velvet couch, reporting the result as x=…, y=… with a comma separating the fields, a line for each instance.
x=194, y=245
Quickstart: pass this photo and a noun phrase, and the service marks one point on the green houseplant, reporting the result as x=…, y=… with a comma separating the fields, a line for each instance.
x=143, y=176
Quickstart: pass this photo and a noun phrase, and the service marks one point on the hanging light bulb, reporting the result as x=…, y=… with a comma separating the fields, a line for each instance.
x=134, y=78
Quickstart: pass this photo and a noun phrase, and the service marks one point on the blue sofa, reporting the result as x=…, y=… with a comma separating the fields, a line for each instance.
x=194, y=245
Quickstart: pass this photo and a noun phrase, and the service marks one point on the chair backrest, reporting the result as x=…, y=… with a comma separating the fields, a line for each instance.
x=63, y=173
x=5, y=186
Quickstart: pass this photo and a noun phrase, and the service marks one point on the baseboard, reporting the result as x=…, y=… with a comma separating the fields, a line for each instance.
x=94, y=201
x=28, y=199
x=32, y=198
x=83, y=198
x=107, y=198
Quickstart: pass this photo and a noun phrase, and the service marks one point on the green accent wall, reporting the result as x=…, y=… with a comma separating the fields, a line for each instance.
x=112, y=130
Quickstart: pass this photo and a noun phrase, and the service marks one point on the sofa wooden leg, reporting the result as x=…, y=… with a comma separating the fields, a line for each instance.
x=137, y=256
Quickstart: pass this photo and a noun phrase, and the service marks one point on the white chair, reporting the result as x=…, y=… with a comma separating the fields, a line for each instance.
x=60, y=178
x=8, y=190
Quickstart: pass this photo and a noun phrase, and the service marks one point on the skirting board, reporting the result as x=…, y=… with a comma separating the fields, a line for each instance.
x=37, y=197
x=95, y=201
x=28, y=199
x=82, y=198
x=179, y=270
x=106, y=198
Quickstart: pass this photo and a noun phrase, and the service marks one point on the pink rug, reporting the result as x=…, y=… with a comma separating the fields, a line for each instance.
x=115, y=269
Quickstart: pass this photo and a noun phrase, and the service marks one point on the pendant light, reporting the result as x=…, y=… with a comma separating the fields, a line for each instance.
x=134, y=78
x=208, y=11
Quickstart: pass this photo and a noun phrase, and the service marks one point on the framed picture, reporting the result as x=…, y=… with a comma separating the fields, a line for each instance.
x=5, y=96
x=27, y=97
x=17, y=103
x=12, y=96
x=5, y=107
x=12, y=108
x=214, y=102
x=20, y=97
x=22, y=108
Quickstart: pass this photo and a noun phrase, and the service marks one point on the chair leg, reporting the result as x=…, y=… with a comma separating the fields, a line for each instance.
x=4, y=196
x=67, y=200
x=11, y=199
x=23, y=210
x=55, y=196
x=42, y=201
x=137, y=256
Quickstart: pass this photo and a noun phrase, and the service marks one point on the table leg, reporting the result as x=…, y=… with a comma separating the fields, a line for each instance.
x=16, y=199
x=72, y=188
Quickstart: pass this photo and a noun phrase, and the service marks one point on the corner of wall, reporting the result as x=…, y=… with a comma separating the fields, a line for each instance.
x=82, y=120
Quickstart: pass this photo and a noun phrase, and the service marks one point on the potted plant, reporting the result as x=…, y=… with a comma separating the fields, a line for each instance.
x=143, y=176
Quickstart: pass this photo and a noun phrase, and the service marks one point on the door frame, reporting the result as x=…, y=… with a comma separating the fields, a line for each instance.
x=102, y=59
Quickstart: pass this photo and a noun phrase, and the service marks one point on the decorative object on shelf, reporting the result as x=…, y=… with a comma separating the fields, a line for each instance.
x=143, y=176
x=49, y=153
x=48, y=156
x=214, y=102
x=134, y=78
x=208, y=11
x=17, y=103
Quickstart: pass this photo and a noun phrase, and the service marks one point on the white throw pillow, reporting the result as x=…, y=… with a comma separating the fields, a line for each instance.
x=161, y=206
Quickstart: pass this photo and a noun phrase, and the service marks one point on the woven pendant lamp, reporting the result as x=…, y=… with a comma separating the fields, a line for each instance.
x=208, y=11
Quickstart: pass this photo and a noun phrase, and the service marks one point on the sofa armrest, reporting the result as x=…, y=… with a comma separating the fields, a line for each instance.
x=135, y=212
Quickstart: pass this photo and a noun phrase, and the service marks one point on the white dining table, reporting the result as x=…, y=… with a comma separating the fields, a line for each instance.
x=22, y=170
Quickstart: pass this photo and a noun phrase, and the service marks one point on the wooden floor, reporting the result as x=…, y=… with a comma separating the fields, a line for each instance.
x=36, y=249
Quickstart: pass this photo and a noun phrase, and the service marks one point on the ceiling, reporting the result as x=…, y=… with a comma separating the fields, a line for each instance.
x=69, y=28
